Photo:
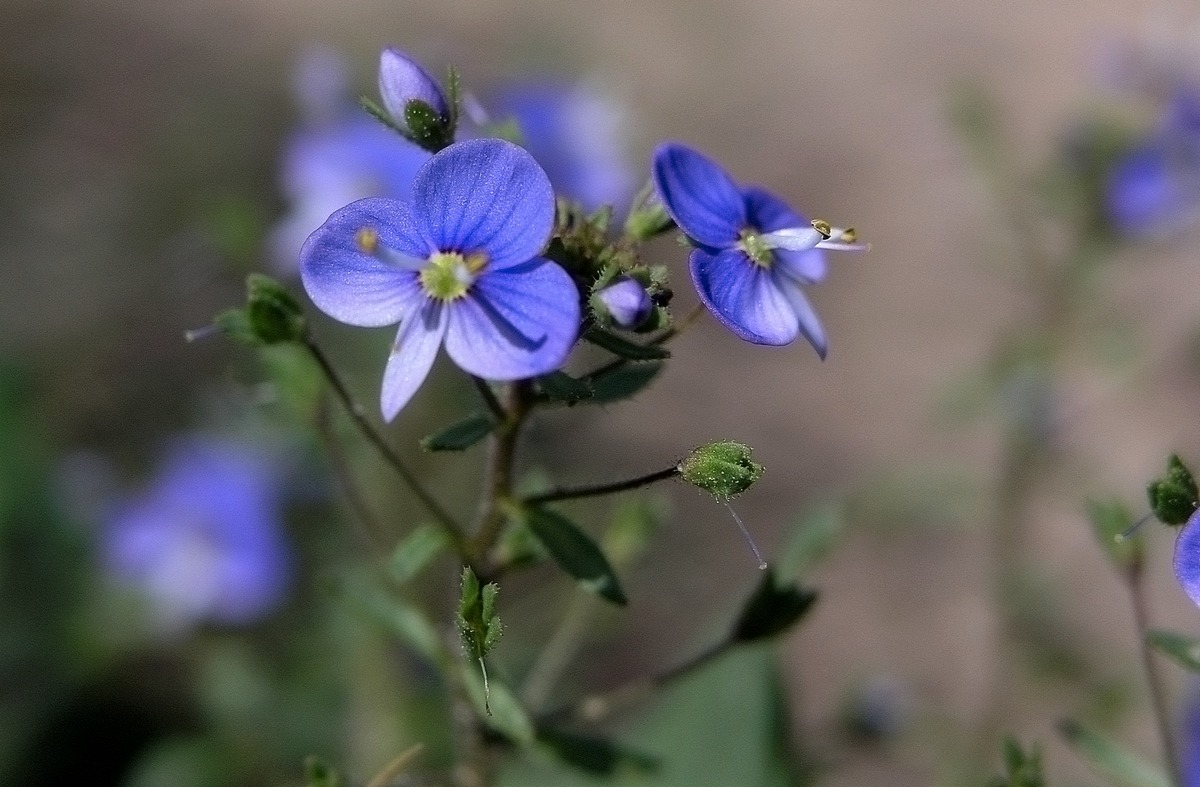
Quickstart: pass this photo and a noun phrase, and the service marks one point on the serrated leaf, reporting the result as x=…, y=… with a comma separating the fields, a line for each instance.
x=630, y=351
x=562, y=387
x=576, y=553
x=498, y=707
x=596, y=755
x=1184, y=650
x=812, y=538
x=417, y=551
x=773, y=608
x=1123, y=768
x=623, y=381
x=460, y=435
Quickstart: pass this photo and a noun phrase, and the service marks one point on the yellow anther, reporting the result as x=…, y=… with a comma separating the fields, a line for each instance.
x=823, y=227
x=476, y=262
x=367, y=239
x=849, y=235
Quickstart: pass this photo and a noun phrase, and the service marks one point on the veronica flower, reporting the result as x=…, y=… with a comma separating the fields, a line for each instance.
x=204, y=540
x=1187, y=557
x=754, y=254
x=624, y=301
x=460, y=264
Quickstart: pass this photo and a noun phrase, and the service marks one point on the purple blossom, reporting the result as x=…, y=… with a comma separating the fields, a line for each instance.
x=1187, y=557
x=460, y=264
x=625, y=301
x=203, y=541
x=753, y=254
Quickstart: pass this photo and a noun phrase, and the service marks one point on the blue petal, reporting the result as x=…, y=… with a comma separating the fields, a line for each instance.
x=401, y=79
x=810, y=323
x=515, y=323
x=485, y=195
x=351, y=285
x=768, y=213
x=412, y=356
x=1144, y=195
x=743, y=297
x=701, y=198
x=1187, y=558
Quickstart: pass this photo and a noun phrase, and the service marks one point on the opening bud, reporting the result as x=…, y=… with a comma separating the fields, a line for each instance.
x=623, y=302
x=723, y=469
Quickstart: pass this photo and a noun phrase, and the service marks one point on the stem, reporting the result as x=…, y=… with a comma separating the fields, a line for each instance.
x=1158, y=694
x=489, y=397
x=389, y=454
x=664, y=337
x=373, y=530
x=497, y=488
x=574, y=493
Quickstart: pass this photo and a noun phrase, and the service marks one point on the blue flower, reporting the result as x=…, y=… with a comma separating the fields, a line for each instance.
x=576, y=135
x=204, y=541
x=402, y=81
x=753, y=254
x=1154, y=189
x=1187, y=557
x=459, y=264
x=624, y=301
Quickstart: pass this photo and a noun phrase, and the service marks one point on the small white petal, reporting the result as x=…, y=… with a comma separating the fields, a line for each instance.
x=793, y=239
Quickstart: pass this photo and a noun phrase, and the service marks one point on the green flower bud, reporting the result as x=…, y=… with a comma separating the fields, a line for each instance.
x=722, y=469
x=647, y=216
x=273, y=316
x=1173, y=498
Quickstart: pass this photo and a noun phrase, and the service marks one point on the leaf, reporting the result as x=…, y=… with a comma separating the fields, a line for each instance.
x=772, y=609
x=1124, y=768
x=415, y=552
x=595, y=755
x=1110, y=520
x=624, y=348
x=478, y=623
x=1021, y=769
x=498, y=707
x=1184, y=650
x=562, y=387
x=622, y=381
x=402, y=619
x=576, y=553
x=812, y=538
x=460, y=435
x=318, y=773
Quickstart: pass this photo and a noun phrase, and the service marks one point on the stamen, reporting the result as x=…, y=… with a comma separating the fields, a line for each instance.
x=762, y=564
x=1125, y=534
x=201, y=333
x=823, y=227
x=849, y=235
x=367, y=240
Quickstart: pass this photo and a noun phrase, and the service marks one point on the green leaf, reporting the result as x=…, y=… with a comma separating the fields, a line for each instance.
x=317, y=773
x=562, y=387
x=1183, y=649
x=772, y=609
x=595, y=755
x=1125, y=769
x=498, y=707
x=622, y=381
x=1110, y=521
x=1021, y=768
x=461, y=435
x=398, y=616
x=624, y=348
x=417, y=551
x=812, y=538
x=576, y=553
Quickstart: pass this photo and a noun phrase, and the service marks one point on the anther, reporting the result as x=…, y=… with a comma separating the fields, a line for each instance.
x=367, y=239
x=823, y=227
x=849, y=235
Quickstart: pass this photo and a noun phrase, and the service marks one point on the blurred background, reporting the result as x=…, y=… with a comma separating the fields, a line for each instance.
x=142, y=148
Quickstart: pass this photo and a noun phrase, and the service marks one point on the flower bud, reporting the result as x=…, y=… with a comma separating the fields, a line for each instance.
x=271, y=315
x=623, y=301
x=415, y=101
x=723, y=469
x=1173, y=498
x=647, y=217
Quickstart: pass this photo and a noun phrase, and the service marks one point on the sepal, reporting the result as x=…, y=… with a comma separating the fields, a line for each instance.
x=723, y=469
x=1173, y=498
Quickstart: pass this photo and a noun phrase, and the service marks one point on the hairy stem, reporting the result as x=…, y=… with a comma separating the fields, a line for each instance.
x=514, y=406
x=596, y=490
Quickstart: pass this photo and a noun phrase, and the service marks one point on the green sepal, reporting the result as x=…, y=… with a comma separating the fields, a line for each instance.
x=417, y=551
x=595, y=755
x=1110, y=520
x=478, y=622
x=498, y=706
x=647, y=216
x=272, y=315
x=1182, y=649
x=562, y=387
x=383, y=116
x=1122, y=767
x=622, y=381
x=630, y=351
x=426, y=127
x=318, y=773
x=461, y=435
x=575, y=552
x=723, y=469
x=773, y=608
x=1021, y=768
x=1173, y=498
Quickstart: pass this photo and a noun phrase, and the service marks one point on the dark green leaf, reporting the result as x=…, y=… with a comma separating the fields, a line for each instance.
x=622, y=381
x=461, y=435
x=626, y=349
x=1107, y=758
x=772, y=609
x=596, y=755
x=1183, y=649
x=415, y=552
x=576, y=553
x=561, y=387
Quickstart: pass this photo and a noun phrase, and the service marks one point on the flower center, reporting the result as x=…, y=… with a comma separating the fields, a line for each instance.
x=751, y=242
x=449, y=274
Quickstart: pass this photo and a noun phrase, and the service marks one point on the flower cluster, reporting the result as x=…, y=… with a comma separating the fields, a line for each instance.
x=475, y=258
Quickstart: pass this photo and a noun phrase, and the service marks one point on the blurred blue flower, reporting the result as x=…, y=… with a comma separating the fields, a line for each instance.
x=753, y=254
x=577, y=135
x=1154, y=189
x=459, y=263
x=203, y=541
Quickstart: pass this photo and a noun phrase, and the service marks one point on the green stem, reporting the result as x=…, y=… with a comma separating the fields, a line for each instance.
x=1158, y=693
x=358, y=415
x=497, y=487
x=489, y=398
x=574, y=493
